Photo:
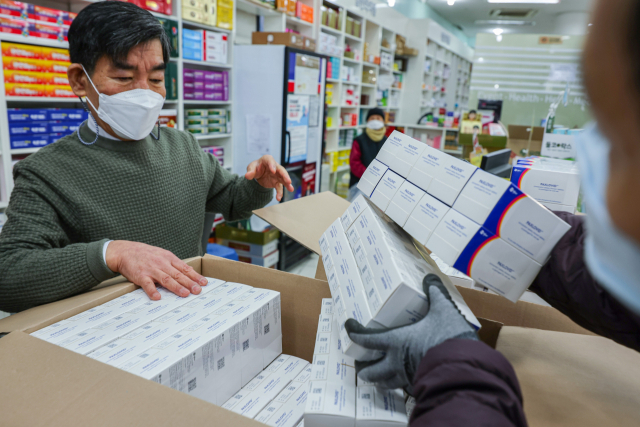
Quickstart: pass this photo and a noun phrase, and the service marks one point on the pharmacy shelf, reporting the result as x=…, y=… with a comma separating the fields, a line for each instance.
x=298, y=21
x=194, y=102
x=367, y=85
x=386, y=49
x=212, y=136
x=331, y=30
x=33, y=40
x=349, y=106
x=333, y=80
x=353, y=61
x=40, y=99
x=348, y=127
x=17, y=151
x=334, y=149
x=452, y=151
x=256, y=8
x=190, y=24
x=342, y=168
x=207, y=64
x=354, y=38
x=369, y=106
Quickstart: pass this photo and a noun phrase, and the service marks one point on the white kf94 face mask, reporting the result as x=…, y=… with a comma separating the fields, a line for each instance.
x=131, y=114
x=375, y=124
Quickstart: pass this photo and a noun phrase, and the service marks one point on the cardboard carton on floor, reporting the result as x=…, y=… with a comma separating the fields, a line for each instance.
x=568, y=377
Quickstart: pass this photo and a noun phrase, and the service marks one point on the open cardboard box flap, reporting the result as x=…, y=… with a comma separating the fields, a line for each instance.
x=566, y=378
x=42, y=384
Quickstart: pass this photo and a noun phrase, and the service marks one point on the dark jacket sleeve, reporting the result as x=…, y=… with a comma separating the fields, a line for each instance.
x=466, y=383
x=566, y=284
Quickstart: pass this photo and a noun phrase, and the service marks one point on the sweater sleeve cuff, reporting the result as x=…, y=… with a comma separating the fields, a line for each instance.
x=96, y=261
x=253, y=184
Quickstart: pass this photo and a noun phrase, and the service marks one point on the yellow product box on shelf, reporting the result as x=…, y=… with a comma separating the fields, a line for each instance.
x=195, y=4
x=53, y=54
x=59, y=91
x=21, y=89
x=24, y=77
x=15, y=50
x=225, y=14
x=281, y=5
x=211, y=10
x=194, y=15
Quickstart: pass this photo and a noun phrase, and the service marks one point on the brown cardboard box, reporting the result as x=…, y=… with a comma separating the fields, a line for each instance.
x=287, y=39
x=518, y=139
x=568, y=378
x=309, y=44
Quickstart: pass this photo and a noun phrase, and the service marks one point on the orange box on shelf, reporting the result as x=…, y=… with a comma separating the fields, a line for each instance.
x=21, y=89
x=304, y=12
x=56, y=79
x=53, y=54
x=291, y=7
x=22, y=64
x=58, y=91
x=281, y=5
x=16, y=50
x=55, y=66
x=24, y=77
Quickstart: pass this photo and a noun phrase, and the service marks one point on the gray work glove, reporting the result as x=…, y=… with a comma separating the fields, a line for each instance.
x=405, y=346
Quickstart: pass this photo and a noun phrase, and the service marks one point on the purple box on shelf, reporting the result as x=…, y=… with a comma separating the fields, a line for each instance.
x=53, y=137
x=199, y=95
x=198, y=75
x=214, y=76
x=214, y=96
x=213, y=87
x=189, y=86
x=188, y=75
x=198, y=85
x=189, y=95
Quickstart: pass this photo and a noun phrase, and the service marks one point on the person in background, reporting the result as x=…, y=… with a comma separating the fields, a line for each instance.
x=119, y=196
x=592, y=276
x=365, y=148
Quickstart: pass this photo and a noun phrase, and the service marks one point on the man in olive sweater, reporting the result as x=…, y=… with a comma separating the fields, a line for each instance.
x=114, y=197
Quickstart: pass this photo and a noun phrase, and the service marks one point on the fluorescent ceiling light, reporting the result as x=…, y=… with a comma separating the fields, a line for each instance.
x=525, y=1
x=498, y=31
x=505, y=22
x=451, y=2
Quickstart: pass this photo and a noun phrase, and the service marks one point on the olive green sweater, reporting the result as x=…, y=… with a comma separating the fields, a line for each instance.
x=69, y=199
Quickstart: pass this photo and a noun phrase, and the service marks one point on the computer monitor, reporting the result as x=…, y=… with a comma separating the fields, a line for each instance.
x=497, y=163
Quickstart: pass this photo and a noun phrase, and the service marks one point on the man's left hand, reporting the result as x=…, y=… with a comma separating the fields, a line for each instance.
x=269, y=174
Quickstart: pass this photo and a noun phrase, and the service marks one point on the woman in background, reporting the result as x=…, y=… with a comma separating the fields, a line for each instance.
x=365, y=148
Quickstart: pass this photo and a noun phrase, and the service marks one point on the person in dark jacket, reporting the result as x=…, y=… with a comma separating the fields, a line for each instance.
x=365, y=148
x=592, y=276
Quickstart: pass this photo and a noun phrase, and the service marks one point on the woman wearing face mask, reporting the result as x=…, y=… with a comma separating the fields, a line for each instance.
x=592, y=276
x=365, y=148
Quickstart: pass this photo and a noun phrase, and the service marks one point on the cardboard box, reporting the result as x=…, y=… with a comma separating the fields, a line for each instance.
x=287, y=39
x=566, y=374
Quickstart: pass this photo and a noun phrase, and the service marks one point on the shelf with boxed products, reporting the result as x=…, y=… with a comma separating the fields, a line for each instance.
x=352, y=37
x=200, y=26
x=207, y=64
x=331, y=30
x=297, y=21
x=18, y=151
x=213, y=136
x=15, y=38
x=41, y=99
x=256, y=8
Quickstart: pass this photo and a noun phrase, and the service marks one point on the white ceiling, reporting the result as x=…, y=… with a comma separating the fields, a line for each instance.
x=464, y=13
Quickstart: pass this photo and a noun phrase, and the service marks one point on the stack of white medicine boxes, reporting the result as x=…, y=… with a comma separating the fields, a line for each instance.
x=207, y=345
x=334, y=398
x=473, y=221
x=375, y=274
x=277, y=396
x=554, y=183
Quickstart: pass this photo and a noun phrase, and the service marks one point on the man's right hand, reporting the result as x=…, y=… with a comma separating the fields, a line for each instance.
x=146, y=265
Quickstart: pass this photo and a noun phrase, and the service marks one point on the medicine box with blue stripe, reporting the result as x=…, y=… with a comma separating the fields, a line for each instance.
x=480, y=254
x=505, y=211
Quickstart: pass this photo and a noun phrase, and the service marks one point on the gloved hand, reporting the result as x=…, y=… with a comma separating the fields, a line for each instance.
x=405, y=346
